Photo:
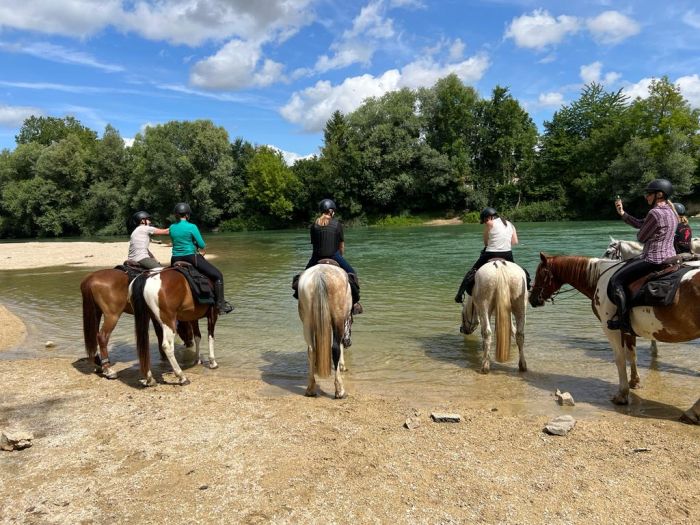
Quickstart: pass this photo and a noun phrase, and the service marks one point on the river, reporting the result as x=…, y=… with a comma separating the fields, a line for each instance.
x=407, y=343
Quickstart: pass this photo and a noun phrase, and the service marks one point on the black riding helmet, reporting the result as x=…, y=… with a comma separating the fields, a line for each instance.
x=137, y=217
x=680, y=209
x=181, y=209
x=486, y=213
x=661, y=185
x=326, y=205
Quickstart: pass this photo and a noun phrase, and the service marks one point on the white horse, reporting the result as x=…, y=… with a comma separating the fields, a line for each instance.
x=623, y=250
x=501, y=287
x=325, y=305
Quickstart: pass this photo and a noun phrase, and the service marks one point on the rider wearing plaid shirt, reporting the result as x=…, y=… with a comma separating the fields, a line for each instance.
x=656, y=231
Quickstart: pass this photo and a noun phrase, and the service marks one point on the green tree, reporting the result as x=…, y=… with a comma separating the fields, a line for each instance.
x=47, y=130
x=270, y=183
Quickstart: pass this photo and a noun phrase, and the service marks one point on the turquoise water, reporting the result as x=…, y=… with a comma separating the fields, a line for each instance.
x=407, y=343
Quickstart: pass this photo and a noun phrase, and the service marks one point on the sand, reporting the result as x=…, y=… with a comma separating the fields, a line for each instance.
x=224, y=450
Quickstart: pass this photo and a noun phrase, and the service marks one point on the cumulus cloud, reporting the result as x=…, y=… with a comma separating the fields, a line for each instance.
x=237, y=65
x=593, y=71
x=539, y=29
x=611, y=27
x=13, y=116
x=359, y=43
x=289, y=156
x=550, y=100
x=638, y=90
x=189, y=22
x=457, y=49
x=312, y=107
x=690, y=88
x=56, y=53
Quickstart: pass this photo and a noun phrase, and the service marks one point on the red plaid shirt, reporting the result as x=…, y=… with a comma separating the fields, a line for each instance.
x=656, y=231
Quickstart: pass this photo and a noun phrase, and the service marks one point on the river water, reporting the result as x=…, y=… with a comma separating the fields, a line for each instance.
x=407, y=343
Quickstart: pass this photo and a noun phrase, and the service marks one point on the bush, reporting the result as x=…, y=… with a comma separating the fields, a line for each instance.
x=539, y=211
x=471, y=217
x=402, y=220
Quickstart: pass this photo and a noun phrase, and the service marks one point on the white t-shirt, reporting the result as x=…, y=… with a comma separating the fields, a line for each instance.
x=500, y=236
x=140, y=239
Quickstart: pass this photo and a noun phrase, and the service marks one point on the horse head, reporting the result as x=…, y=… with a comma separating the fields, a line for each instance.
x=470, y=319
x=546, y=283
x=614, y=250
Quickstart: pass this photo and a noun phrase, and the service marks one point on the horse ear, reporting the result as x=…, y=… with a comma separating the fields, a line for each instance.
x=543, y=257
x=611, y=239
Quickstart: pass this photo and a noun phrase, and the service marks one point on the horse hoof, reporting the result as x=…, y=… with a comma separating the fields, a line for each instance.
x=522, y=367
x=311, y=393
x=213, y=365
x=110, y=374
x=341, y=395
x=146, y=383
x=184, y=381
x=619, y=399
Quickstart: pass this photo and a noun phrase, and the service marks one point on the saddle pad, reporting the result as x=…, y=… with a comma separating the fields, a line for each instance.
x=131, y=271
x=660, y=291
x=200, y=285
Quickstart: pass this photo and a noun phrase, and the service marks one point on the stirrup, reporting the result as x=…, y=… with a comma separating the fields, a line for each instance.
x=357, y=308
x=225, y=307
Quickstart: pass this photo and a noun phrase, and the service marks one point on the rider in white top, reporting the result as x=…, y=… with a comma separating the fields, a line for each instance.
x=499, y=237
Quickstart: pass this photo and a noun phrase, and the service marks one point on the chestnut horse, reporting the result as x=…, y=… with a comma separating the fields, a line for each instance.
x=675, y=323
x=165, y=297
x=105, y=293
x=501, y=287
x=325, y=304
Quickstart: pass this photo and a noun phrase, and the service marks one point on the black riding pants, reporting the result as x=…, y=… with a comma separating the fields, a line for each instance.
x=631, y=271
x=199, y=262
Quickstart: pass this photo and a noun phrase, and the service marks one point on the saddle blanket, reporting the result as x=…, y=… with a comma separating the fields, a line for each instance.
x=132, y=270
x=660, y=290
x=202, y=289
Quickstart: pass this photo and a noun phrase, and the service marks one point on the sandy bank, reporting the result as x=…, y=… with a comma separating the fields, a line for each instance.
x=444, y=222
x=26, y=255
x=239, y=451
x=12, y=329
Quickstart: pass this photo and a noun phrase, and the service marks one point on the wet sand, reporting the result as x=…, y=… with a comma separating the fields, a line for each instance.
x=244, y=451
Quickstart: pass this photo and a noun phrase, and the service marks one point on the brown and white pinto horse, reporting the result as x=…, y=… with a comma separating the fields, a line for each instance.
x=325, y=304
x=676, y=323
x=165, y=297
x=106, y=293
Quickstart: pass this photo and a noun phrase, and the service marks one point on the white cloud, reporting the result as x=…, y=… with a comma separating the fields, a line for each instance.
x=237, y=65
x=539, y=29
x=289, y=156
x=457, y=50
x=358, y=44
x=312, y=107
x=550, y=100
x=190, y=22
x=56, y=53
x=592, y=73
x=692, y=19
x=13, y=116
x=611, y=27
x=690, y=88
x=638, y=90
x=67, y=17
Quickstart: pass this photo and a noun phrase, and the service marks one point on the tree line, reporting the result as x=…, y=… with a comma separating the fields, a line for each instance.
x=442, y=150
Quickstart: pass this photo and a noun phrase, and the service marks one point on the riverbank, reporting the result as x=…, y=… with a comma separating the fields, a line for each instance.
x=12, y=329
x=242, y=451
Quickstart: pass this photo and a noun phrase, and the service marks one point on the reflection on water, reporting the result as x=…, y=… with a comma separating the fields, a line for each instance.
x=407, y=342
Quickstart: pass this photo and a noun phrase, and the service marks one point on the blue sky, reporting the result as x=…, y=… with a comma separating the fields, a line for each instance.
x=273, y=71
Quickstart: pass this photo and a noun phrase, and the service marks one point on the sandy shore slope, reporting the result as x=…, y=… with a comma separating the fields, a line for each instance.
x=12, y=329
x=236, y=451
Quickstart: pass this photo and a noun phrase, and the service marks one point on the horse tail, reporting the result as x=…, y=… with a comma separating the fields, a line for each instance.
x=91, y=315
x=142, y=318
x=321, y=326
x=503, y=314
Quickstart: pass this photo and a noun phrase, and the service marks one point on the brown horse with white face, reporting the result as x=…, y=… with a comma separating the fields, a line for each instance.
x=325, y=304
x=165, y=297
x=106, y=293
x=676, y=323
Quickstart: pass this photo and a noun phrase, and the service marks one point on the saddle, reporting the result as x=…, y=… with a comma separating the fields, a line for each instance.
x=659, y=288
x=132, y=269
x=200, y=285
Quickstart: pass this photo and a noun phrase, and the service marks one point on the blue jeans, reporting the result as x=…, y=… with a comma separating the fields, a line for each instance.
x=337, y=258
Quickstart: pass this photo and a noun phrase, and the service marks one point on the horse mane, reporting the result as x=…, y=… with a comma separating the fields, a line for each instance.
x=579, y=271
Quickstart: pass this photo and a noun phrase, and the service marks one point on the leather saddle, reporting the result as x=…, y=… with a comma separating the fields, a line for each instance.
x=200, y=285
x=131, y=268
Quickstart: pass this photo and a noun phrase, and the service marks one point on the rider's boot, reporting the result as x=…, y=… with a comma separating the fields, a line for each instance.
x=621, y=321
x=355, y=290
x=221, y=303
x=295, y=285
x=466, y=286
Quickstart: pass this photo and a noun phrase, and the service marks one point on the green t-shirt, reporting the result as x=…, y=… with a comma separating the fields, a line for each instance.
x=186, y=238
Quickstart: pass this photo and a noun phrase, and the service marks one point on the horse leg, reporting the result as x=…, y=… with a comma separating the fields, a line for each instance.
x=311, y=386
x=158, y=329
x=103, y=339
x=519, y=311
x=486, y=337
x=632, y=360
x=169, y=350
x=692, y=415
x=616, y=340
x=653, y=348
x=211, y=323
x=339, y=387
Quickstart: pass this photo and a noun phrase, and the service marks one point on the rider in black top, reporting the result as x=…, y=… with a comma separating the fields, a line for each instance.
x=682, y=241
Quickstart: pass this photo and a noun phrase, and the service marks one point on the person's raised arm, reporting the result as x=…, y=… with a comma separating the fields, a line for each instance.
x=161, y=231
